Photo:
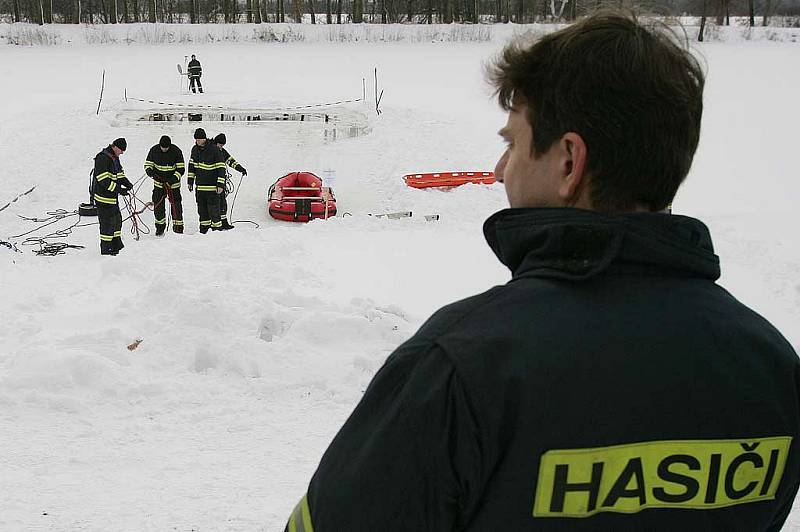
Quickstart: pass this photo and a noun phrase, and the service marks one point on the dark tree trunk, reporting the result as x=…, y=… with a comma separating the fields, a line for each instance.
x=311, y=11
x=700, y=35
x=751, y=10
x=358, y=11
x=151, y=11
x=328, y=16
x=338, y=11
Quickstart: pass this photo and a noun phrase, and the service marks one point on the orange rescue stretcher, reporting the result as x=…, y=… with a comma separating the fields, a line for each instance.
x=448, y=179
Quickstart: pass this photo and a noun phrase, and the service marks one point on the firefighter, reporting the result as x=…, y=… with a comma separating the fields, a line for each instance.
x=611, y=384
x=207, y=167
x=109, y=181
x=195, y=71
x=220, y=141
x=165, y=165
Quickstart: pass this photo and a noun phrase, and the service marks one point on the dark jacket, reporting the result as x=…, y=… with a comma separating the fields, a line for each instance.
x=195, y=70
x=109, y=177
x=610, y=385
x=230, y=161
x=207, y=166
x=165, y=167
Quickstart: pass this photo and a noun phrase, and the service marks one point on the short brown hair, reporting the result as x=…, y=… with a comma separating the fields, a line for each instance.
x=632, y=93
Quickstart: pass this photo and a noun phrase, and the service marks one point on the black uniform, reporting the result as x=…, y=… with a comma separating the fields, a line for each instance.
x=611, y=385
x=166, y=169
x=207, y=167
x=223, y=199
x=109, y=180
x=195, y=71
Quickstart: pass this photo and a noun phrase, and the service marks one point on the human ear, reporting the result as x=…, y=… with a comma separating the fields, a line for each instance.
x=572, y=167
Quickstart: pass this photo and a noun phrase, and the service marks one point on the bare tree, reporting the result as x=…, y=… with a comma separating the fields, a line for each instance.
x=700, y=35
x=328, y=16
x=358, y=11
x=311, y=11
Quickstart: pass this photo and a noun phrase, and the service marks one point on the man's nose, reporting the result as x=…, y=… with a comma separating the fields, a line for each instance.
x=500, y=167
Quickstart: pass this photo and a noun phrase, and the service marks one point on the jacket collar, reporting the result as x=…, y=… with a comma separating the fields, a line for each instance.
x=576, y=244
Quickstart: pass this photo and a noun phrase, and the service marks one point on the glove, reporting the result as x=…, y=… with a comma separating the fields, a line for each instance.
x=191, y=187
x=123, y=191
x=219, y=190
x=244, y=172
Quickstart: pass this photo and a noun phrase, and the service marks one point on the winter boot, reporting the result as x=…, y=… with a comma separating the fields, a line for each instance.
x=177, y=229
x=160, y=230
x=226, y=225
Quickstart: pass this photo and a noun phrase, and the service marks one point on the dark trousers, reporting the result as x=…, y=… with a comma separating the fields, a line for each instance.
x=192, y=81
x=208, y=210
x=110, y=229
x=223, y=206
x=160, y=198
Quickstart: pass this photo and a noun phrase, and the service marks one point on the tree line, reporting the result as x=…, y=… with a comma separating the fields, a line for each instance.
x=372, y=11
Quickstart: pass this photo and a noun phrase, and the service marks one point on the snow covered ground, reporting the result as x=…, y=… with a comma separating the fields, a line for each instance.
x=257, y=342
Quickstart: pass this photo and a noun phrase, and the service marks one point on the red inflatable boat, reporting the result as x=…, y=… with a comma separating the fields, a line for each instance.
x=448, y=179
x=300, y=197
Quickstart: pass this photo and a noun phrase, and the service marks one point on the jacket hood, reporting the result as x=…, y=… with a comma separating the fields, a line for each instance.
x=577, y=244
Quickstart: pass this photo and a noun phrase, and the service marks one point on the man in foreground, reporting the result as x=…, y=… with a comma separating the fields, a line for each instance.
x=109, y=183
x=220, y=140
x=164, y=164
x=207, y=168
x=611, y=385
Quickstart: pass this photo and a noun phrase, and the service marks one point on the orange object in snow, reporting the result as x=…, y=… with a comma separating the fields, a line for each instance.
x=448, y=179
x=300, y=197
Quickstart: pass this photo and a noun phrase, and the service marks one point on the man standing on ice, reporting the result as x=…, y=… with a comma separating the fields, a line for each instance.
x=109, y=182
x=220, y=141
x=195, y=71
x=611, y=384
x=207, y=167
x=165, y=165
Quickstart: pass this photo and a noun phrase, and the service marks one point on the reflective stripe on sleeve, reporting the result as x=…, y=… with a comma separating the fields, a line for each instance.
x=300, y=521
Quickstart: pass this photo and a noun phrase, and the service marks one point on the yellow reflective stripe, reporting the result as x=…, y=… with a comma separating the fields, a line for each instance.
x=118, y=233
x=162, y=221
x=177, y=222
x=223, y=217
x=180, y=165
x=164, y=168
x=300, y=520
x=112, y=186
x=157, y=184
x=203, y=166
x=175, y=185
x=103, y=199
x=685, y=474
x=231, y=161
x=177, y=174
x=221, y=180
x=206, y=188
x=148, y=164
x=205, y=222
x=191, y=175
x=106, y=238
x=216, y=224
x=102, y=176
